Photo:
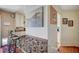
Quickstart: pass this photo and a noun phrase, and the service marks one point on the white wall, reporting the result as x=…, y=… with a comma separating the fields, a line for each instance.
x=59, y=17
x=70, y=35
x=52, y=33
x=39, y=31
x=52, y=36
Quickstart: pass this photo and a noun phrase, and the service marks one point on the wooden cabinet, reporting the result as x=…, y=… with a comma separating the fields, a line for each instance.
x=20, y=19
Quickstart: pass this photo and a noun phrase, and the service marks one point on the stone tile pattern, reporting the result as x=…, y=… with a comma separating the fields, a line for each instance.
x=32, y=44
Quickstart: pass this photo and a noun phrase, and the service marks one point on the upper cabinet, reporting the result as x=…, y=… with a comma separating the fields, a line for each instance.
x=20, y=20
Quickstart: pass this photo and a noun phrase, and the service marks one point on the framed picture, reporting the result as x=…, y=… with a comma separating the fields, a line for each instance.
x=37, y=18
x=53, y=15
x=64, y=20
x=70, y=23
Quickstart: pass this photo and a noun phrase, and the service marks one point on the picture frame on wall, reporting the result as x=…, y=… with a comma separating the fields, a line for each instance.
x=37, y=18
x=70, y=23
x=53, y=15
x=64, y=20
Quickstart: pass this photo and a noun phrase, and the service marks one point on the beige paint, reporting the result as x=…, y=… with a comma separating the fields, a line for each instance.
x=20, y=18
x=70, y=35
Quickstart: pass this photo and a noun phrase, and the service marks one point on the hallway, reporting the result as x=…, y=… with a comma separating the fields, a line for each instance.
x=63, y=29
x=69, y=41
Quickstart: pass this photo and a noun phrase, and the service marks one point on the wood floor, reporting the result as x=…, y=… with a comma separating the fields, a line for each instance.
x=68, y=49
